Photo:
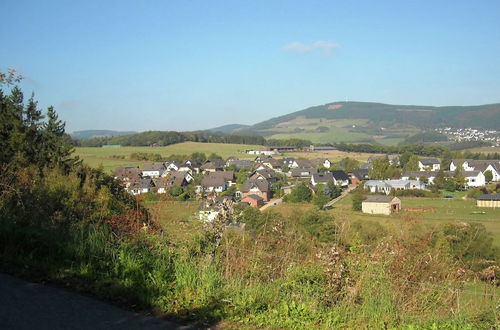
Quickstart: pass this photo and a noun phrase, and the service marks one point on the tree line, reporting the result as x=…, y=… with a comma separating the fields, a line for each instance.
x=165, y=138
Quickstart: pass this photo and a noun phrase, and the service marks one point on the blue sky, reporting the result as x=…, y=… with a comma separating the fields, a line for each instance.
x=186, y=65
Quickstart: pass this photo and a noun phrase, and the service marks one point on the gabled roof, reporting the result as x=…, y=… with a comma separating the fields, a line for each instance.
x=153, y=167
x=378, y=199
x=262, y=185
x=266, y=173
x=340, y=175
x=429, y=161
x=144, y=182
x=254, y=197
x=304, y=163
x=217, y=179
x=297, y=172
x=360, y=173
x=127, y=172
x=213, y=164
x=322, y=177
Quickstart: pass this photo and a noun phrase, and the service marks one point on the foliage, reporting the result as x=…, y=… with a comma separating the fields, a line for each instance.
x=382, y=169
x=411, y=164
x=300, y=193
x=348, y=164
x=357, y=199
x=145, y=156
x=426, y=137
x=488, y=176
x=165, y=138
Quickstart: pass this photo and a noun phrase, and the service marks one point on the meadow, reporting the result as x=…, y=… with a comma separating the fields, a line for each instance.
x=104, y=156
x=107, y=156
x=429, y=212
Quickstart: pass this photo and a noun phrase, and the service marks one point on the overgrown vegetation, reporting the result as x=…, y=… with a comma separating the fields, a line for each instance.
x=64, y=222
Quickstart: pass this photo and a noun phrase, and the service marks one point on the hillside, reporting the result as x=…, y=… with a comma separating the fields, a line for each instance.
x=88, y=134
x=227, y=129
x=373, y=122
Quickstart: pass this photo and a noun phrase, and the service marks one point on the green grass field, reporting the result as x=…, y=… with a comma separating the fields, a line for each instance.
x=430, y=212
x=104, y=156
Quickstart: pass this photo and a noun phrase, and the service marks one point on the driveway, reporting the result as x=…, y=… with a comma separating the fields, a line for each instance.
x=25, y=305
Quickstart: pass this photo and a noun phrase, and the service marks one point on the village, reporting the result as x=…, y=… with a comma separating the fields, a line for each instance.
x=265, y=180
x=471, y=134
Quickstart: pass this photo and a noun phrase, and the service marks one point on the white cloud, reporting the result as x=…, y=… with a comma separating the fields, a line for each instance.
x=325, y=46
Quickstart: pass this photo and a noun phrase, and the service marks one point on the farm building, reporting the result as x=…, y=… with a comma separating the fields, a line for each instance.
x=381, y=205
x=491, y=200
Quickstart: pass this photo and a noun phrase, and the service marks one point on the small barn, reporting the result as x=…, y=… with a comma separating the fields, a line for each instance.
x=488, y=200
x=378, y=204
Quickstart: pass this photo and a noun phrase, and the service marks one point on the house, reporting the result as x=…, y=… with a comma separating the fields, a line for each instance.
x=127, y=174
x=419, y=175
x=301, y=163
x=393, y=159
x=303, y=172
x=260, y=188
x=340, y=177
x=429, y=164
x=253, y=200
x=153, y=170
x=212, y=166
x=378, y=186
x=172, y=166
x=321, y=162
x=264, y=174
x=274, y=164
x=358, y=175
x=381, y=205
x=143, y=185
x=217, y=181
x=483, y=166
x=239, y=163
x=173, y=179
x=488, y=200
x=321, y=178
x=472, y=178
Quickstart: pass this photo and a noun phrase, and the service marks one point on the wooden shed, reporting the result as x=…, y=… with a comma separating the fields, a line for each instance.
x=377, y=204
x=488, y=200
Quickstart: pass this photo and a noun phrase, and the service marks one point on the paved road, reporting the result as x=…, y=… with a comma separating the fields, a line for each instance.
x=25, y=305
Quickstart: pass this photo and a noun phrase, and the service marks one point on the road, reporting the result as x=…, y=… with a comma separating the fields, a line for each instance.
x=272, y=202
x=25, y=305
x=342, y=195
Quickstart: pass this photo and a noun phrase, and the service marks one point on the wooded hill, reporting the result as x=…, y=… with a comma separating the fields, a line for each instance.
x=386, y=115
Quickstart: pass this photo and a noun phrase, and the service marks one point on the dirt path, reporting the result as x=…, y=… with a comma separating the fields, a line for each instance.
x=26, y=305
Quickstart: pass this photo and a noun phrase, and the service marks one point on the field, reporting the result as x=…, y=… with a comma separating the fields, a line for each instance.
x=331, y=136
x=176, y=218
x=104, y=156
x=430, y=212
x=485, y=150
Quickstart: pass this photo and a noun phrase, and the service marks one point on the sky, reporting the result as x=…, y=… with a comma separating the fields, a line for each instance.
x=188, y=65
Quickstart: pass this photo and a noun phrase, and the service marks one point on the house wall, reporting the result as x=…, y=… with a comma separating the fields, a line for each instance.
x=488, y=203
x=376, y=208
x=476, y=181
x=379, y=208
x=153, y=174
